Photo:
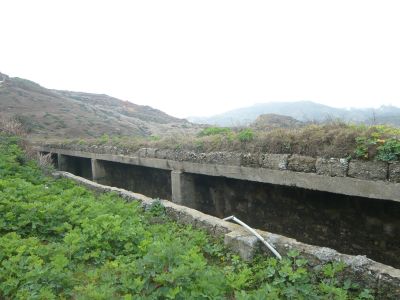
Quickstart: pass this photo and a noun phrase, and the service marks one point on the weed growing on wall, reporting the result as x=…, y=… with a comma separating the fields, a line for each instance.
x=379, y=142
x=59, y=240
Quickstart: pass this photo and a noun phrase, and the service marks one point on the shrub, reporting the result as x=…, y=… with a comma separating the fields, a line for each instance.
x=389, y=150
x=104, y=139
x=246, y=135
x=379, y=142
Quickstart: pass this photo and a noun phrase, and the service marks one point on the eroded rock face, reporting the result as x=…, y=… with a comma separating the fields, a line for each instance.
x=370, y=170
x=299, y=163
x=394, y=172
x=336, y=167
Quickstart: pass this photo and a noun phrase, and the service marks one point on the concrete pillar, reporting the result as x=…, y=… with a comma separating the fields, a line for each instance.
x=62, y=162
x=183, y=189
x=98, y=170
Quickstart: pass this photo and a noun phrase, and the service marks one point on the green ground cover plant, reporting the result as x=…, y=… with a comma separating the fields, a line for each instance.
x=59, y=240
x=379, y=142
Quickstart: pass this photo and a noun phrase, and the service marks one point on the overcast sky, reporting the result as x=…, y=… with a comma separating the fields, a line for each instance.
x=206, y=57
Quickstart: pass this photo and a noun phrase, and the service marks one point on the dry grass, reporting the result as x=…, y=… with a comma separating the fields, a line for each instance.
x=12, y=126
x=45, y=162
x=328, y=140
x=333, y=139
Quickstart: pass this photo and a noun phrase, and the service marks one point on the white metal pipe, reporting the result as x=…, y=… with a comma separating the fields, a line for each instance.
x=233, y=218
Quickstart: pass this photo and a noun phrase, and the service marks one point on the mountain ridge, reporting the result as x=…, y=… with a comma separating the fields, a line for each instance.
x=304, y=111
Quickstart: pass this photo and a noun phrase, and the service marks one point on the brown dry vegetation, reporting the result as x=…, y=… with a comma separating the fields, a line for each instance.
x=12, y=127
x=335, y=139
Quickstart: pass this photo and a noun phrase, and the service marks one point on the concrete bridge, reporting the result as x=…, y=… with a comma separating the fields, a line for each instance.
x=351, y=215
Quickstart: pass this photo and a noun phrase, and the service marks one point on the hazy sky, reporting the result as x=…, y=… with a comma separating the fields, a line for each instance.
x=205, y=57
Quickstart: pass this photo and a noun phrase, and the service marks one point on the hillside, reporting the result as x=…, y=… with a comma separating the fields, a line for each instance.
x=271, y=121
x=304, y=111
x=52, y=113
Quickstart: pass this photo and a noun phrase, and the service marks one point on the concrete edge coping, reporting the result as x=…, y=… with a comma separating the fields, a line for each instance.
x=187, y=155
x=360, y=268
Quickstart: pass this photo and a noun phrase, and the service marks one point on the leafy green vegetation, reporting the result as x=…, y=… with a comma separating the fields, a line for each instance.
x=60, y=240
x=244, y=135
x=379, y=142
x=214, y=131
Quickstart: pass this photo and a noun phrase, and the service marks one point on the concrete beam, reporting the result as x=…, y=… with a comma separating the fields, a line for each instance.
x=340, y=185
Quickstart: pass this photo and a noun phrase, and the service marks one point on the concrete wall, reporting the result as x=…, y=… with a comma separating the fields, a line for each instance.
x=384, y=281
x=352, y=225
x=155, y=183
x=79, y=166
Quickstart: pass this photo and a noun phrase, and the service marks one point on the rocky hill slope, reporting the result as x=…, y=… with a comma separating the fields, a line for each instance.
x=271, y=121
x=53, y=113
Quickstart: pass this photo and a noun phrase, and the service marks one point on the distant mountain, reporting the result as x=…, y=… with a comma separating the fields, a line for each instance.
x=54, y=113
x=304, y=111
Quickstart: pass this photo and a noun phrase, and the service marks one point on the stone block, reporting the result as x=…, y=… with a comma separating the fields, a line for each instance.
x=162, y=153
x=299, y=163
x=274, y=161
x=188, y=156
x=370, y=170
x=335, y=167
x=250, y=160
x=223, y=158
x=394, y=172
x=142, y=152
x=242, y=243
x=151, y=152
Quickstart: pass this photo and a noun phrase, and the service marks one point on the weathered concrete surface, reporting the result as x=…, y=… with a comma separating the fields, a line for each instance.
x=351, y=225
x=80, y=166
x=339, y=185
x=152, y=182
x=243, y=243
x=182, y=189
x=98, y=170
x=335, y=167
x=62, y=162
x=384, y=280
x=299, y=163
x=394, y=172
x=372, y=170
